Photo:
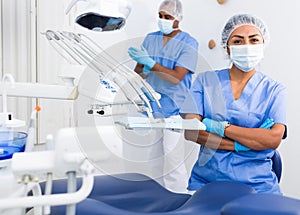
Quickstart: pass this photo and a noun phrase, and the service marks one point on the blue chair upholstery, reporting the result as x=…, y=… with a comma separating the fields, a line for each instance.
x=117, y=196
x=262, y=204
x=206, y=201
x=210, y=199
x=277, y=165
x=134, y=192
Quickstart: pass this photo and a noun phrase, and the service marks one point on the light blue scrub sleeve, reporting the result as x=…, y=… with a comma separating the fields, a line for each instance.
x=145, y=43
x=277, y=109
x=189, y=56
x=278, y=106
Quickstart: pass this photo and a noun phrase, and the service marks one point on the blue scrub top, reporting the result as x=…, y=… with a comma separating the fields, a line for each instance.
x=181, y=50
x=262, y=98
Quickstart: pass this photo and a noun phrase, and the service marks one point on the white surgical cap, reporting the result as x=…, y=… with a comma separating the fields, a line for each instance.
x=244, y=19
x=172, y=7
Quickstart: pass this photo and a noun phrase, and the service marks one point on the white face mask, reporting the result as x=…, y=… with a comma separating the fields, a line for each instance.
x=166, y=26
x=246, y=57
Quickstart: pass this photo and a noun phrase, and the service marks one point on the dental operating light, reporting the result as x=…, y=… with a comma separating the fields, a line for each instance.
x=101, y=15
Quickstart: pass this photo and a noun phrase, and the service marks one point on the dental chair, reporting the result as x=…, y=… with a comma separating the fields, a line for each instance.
x=120, y=195
x=136, y=194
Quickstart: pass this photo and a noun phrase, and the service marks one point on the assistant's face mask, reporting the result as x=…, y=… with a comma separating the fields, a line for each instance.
x=166, y=26
x=246, y=57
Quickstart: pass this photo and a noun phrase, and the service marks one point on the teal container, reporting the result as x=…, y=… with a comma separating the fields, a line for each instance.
x=11, y=142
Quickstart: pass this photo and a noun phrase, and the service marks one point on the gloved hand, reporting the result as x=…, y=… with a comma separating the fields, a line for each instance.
x=141, y=56
x=239, y=147
x=267, y=124
x=215, y=127
x=146, y=70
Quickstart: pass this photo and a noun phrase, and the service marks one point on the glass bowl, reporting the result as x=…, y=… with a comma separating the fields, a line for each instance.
x=11, y=142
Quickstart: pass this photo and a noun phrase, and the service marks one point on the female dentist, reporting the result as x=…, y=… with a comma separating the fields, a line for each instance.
x=244, y=112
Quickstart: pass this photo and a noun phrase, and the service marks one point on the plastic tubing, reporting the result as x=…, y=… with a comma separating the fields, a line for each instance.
x=53, y=200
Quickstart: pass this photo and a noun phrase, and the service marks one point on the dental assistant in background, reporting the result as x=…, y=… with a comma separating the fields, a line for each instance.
x=167, y=59
x=244, y=112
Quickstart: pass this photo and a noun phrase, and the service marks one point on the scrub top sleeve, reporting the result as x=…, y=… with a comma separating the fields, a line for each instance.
x=277, y=109
x=193, y=103
x=189, y=56
x=145, y=43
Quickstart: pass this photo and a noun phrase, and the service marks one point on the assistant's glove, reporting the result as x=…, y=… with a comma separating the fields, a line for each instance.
x=146, y=70
x=141, y=56
x=216, y=127
x=267, y=124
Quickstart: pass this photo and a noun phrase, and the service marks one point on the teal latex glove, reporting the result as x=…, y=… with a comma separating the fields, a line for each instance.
x=267, y=124
x=239, y=147
x=216, y=127
x=141, y=56
x=146, y=70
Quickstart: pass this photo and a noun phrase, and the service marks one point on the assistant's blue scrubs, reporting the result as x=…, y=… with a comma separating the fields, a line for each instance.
x=166, y=155
x=182, y=51
x=262, y=98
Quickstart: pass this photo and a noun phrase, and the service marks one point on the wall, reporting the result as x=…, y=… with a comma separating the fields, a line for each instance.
x=54, y=114
x=204, y=20
x=1, y=41
x=16, y=50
